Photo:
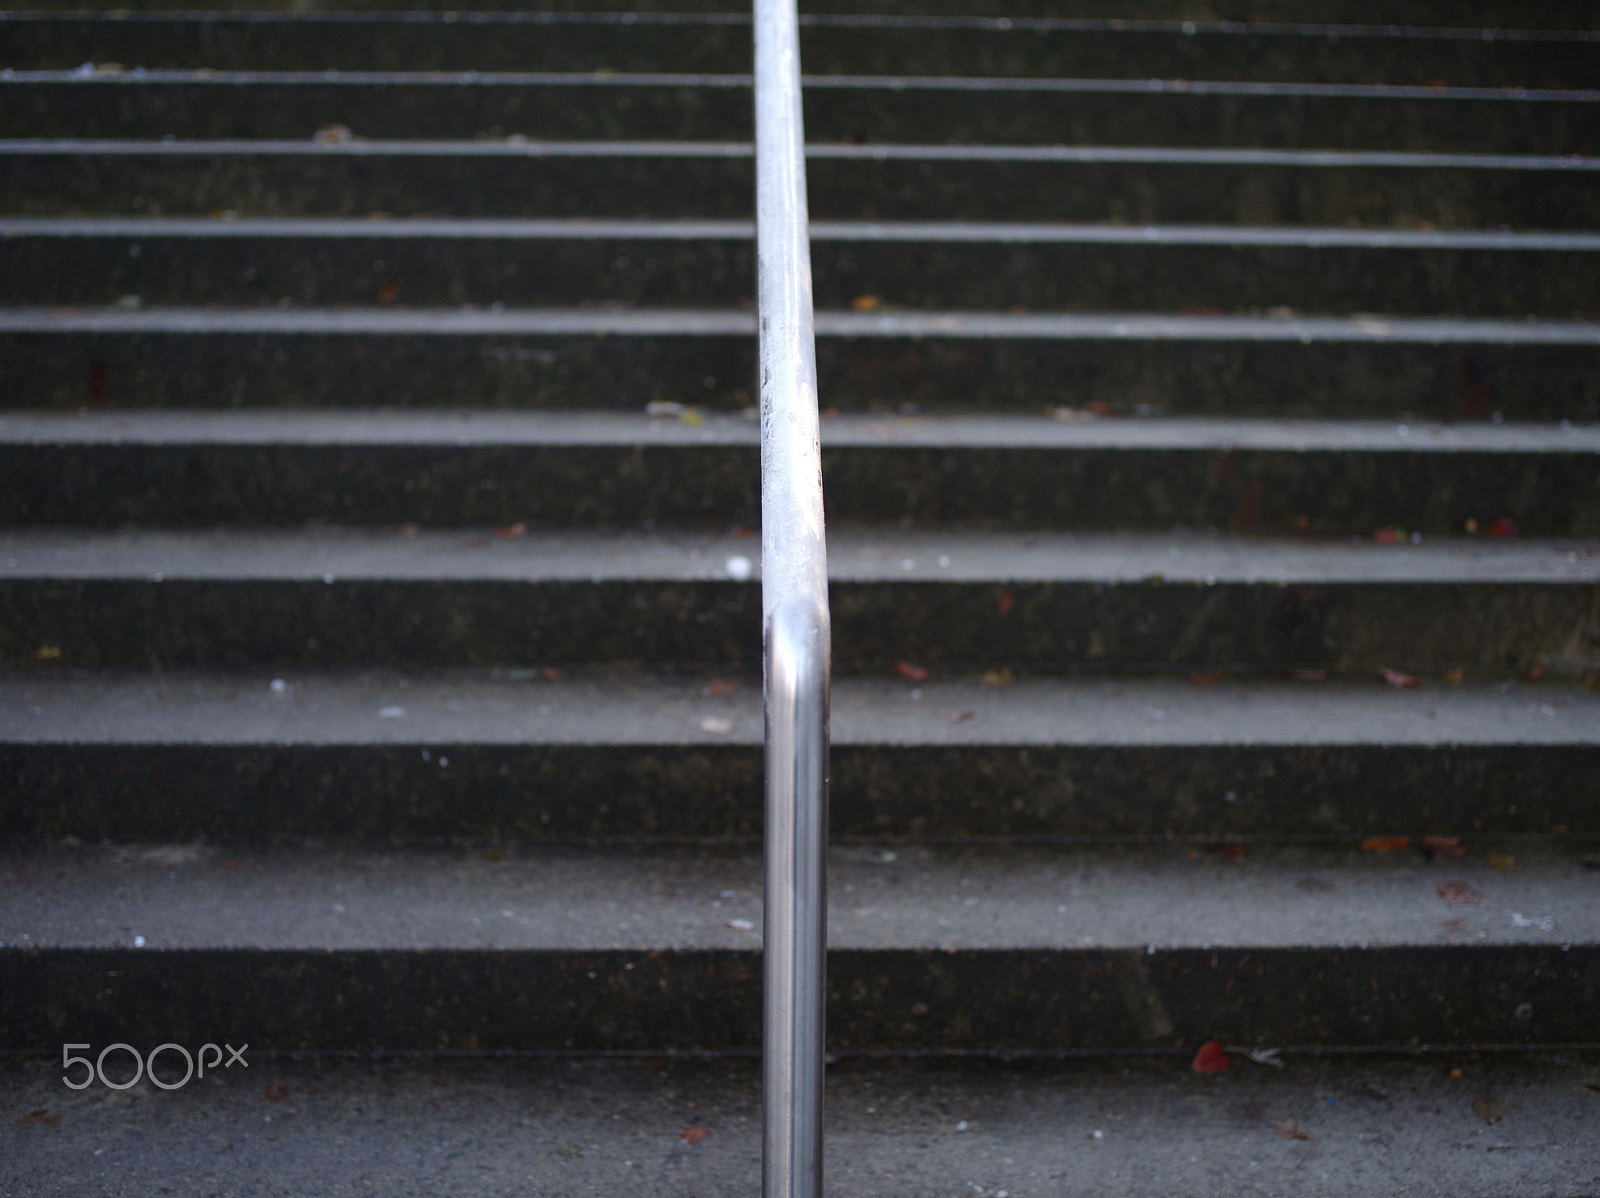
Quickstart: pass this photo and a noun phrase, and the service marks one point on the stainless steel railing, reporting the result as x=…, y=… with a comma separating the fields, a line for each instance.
x=794, y=600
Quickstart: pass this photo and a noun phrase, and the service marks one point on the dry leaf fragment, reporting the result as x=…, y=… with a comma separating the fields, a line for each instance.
x=1230, y=852
x=1504, y=528
x=1290, y=1130
x=275, y=1091
x=719, y=686
x=334, y=134
x=1006, y=601
x=1534, y=674
x=1212, y=1058
x=1208, y=678
x=1489, y=1108
x=1459, y=894
x=43, y=1118
x=866, y=303
x=954, y=716
x=1504, y=862
x=997, y=677
x=695, y=1134
x=914, y=672
x=512, y=530
x=1592, y=1086
x=1445, y=846
x=1452, y=677
x=1386, y=844
x=47, y=653
x=1397, y=678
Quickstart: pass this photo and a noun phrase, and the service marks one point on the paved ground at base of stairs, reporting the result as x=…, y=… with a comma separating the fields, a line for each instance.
x=1373, y=1124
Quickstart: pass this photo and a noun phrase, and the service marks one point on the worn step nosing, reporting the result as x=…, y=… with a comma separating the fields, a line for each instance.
x=310, y=706
x=906, y=898
x=155, y=230
x=488, y=80
x=1145, y=155
x=475, y=321
x=865, y=556
x=445, y=430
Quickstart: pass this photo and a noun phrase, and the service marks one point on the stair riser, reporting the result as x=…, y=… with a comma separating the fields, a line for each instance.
x=1472, y=14
x=1342, y=492
x=948, y=47
x=581, y=370
x=576, y=370
x=40, y=182
x=720, y=272
x=1147, y=625
x=673, y=792
x=603, y=109
x=1028, y=1000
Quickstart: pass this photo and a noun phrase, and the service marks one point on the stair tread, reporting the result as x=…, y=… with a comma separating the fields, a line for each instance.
x=629, y=707
x=1031, y=326
x=1010, y=897
x=489, y=427
x=855, y=555
x=973, y=231
x=589, y=1125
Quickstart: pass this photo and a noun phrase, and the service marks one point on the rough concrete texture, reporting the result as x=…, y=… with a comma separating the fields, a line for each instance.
x=846, y=182
x=625, y=707
x=435, y=468
x=199, y=105
x=990, y=897
x=677, y=756
x=1140, y=1126
x=920, y=266
x=862, y=44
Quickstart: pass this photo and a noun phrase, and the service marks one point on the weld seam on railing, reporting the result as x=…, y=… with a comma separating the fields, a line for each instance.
x=794, y=591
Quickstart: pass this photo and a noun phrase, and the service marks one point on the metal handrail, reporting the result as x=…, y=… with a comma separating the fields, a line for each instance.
x=795, y=625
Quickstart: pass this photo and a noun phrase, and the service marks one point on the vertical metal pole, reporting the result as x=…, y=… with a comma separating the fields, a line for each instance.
x=795, y=622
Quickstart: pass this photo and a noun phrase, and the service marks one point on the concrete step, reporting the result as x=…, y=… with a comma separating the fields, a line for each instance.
x=1283, y=365
x=996, y=948
x=1050, y=600
x=532, y=263
x=859, y=44
x=590, y=1125
x=1472, y=14
x=633, y=469
x=1075, y=184
x=295, y=105
x=623, y=754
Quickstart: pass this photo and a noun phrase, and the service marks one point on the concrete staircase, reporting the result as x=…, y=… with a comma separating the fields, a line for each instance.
x=1213, y=480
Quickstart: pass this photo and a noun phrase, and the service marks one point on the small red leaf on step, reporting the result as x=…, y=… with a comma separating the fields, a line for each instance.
x=1211, y=1058
x=1459, y=894
x=915, y=673
x=1385, y=844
